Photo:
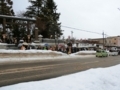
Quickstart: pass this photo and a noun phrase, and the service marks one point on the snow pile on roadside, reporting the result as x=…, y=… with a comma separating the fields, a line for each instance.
x=93, y=79
x=43, y=51
x=68, y=57
x=85, y=53
x=30, y=51
x=23, y=55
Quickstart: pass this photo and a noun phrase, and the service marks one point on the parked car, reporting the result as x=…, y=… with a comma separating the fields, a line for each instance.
x=118, y=52
x=113, y=53
x=101, y=53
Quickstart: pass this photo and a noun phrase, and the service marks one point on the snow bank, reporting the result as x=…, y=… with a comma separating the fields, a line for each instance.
x=29, y=51
x=23, y=55
x=68, y=57
x=85, y=53
x=42, y=51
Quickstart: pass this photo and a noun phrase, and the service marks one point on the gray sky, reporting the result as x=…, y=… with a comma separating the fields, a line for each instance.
x=91, y=15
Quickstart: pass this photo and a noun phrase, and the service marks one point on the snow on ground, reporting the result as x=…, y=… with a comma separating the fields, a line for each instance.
x=93, y=79
x=9, y=59
x=85, y=52
x=39, y=51
x=29, y=51
x=39, y=57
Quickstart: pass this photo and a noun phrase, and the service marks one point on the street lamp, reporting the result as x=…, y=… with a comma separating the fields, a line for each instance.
x=71, y=34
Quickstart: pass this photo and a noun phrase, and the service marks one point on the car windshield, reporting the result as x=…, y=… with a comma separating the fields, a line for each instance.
x=103, y=51
x=98, y=51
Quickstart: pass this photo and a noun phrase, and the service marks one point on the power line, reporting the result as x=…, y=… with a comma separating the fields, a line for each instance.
x=81, y=30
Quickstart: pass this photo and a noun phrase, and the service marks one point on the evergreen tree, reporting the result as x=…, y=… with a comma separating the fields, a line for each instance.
x=34, y=9
x=53, y=26
x=46, y=10
x=6, y=7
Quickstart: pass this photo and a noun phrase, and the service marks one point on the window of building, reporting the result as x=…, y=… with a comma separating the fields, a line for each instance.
x=114, y=38
x=114, y=43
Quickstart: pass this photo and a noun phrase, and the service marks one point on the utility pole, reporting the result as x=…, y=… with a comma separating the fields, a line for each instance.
x=103, y=38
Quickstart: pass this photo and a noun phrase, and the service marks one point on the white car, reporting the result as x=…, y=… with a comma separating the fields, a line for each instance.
x=113, y=53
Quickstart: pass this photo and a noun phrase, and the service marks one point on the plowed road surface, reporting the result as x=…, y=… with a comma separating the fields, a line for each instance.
x=16, y=72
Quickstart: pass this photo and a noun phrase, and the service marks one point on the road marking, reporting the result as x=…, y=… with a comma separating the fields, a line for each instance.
x=40, y=67
x=16, y=70
x=90, y=62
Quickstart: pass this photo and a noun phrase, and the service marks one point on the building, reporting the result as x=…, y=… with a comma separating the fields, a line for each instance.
x=113, y=41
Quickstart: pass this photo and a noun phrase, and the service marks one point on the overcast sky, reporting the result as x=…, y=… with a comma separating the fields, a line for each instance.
x=90, y=15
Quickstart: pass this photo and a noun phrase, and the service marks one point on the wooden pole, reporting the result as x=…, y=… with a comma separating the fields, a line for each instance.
x=103, y=40
x=36, y=33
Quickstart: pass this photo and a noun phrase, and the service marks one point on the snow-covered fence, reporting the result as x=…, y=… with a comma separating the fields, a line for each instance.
x=7, y=46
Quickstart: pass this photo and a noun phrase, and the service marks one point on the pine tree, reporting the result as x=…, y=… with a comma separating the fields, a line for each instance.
x=6, y=7
x=50, y=11
x=34, y=9
x=46, y=11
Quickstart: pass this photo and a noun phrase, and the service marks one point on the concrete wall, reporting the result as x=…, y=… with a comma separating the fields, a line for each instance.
x=8, y=46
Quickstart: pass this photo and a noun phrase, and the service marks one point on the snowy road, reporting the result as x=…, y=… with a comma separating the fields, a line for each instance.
x=11, y=73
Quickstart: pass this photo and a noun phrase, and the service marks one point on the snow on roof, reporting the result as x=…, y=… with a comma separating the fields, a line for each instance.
x=16, y=17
